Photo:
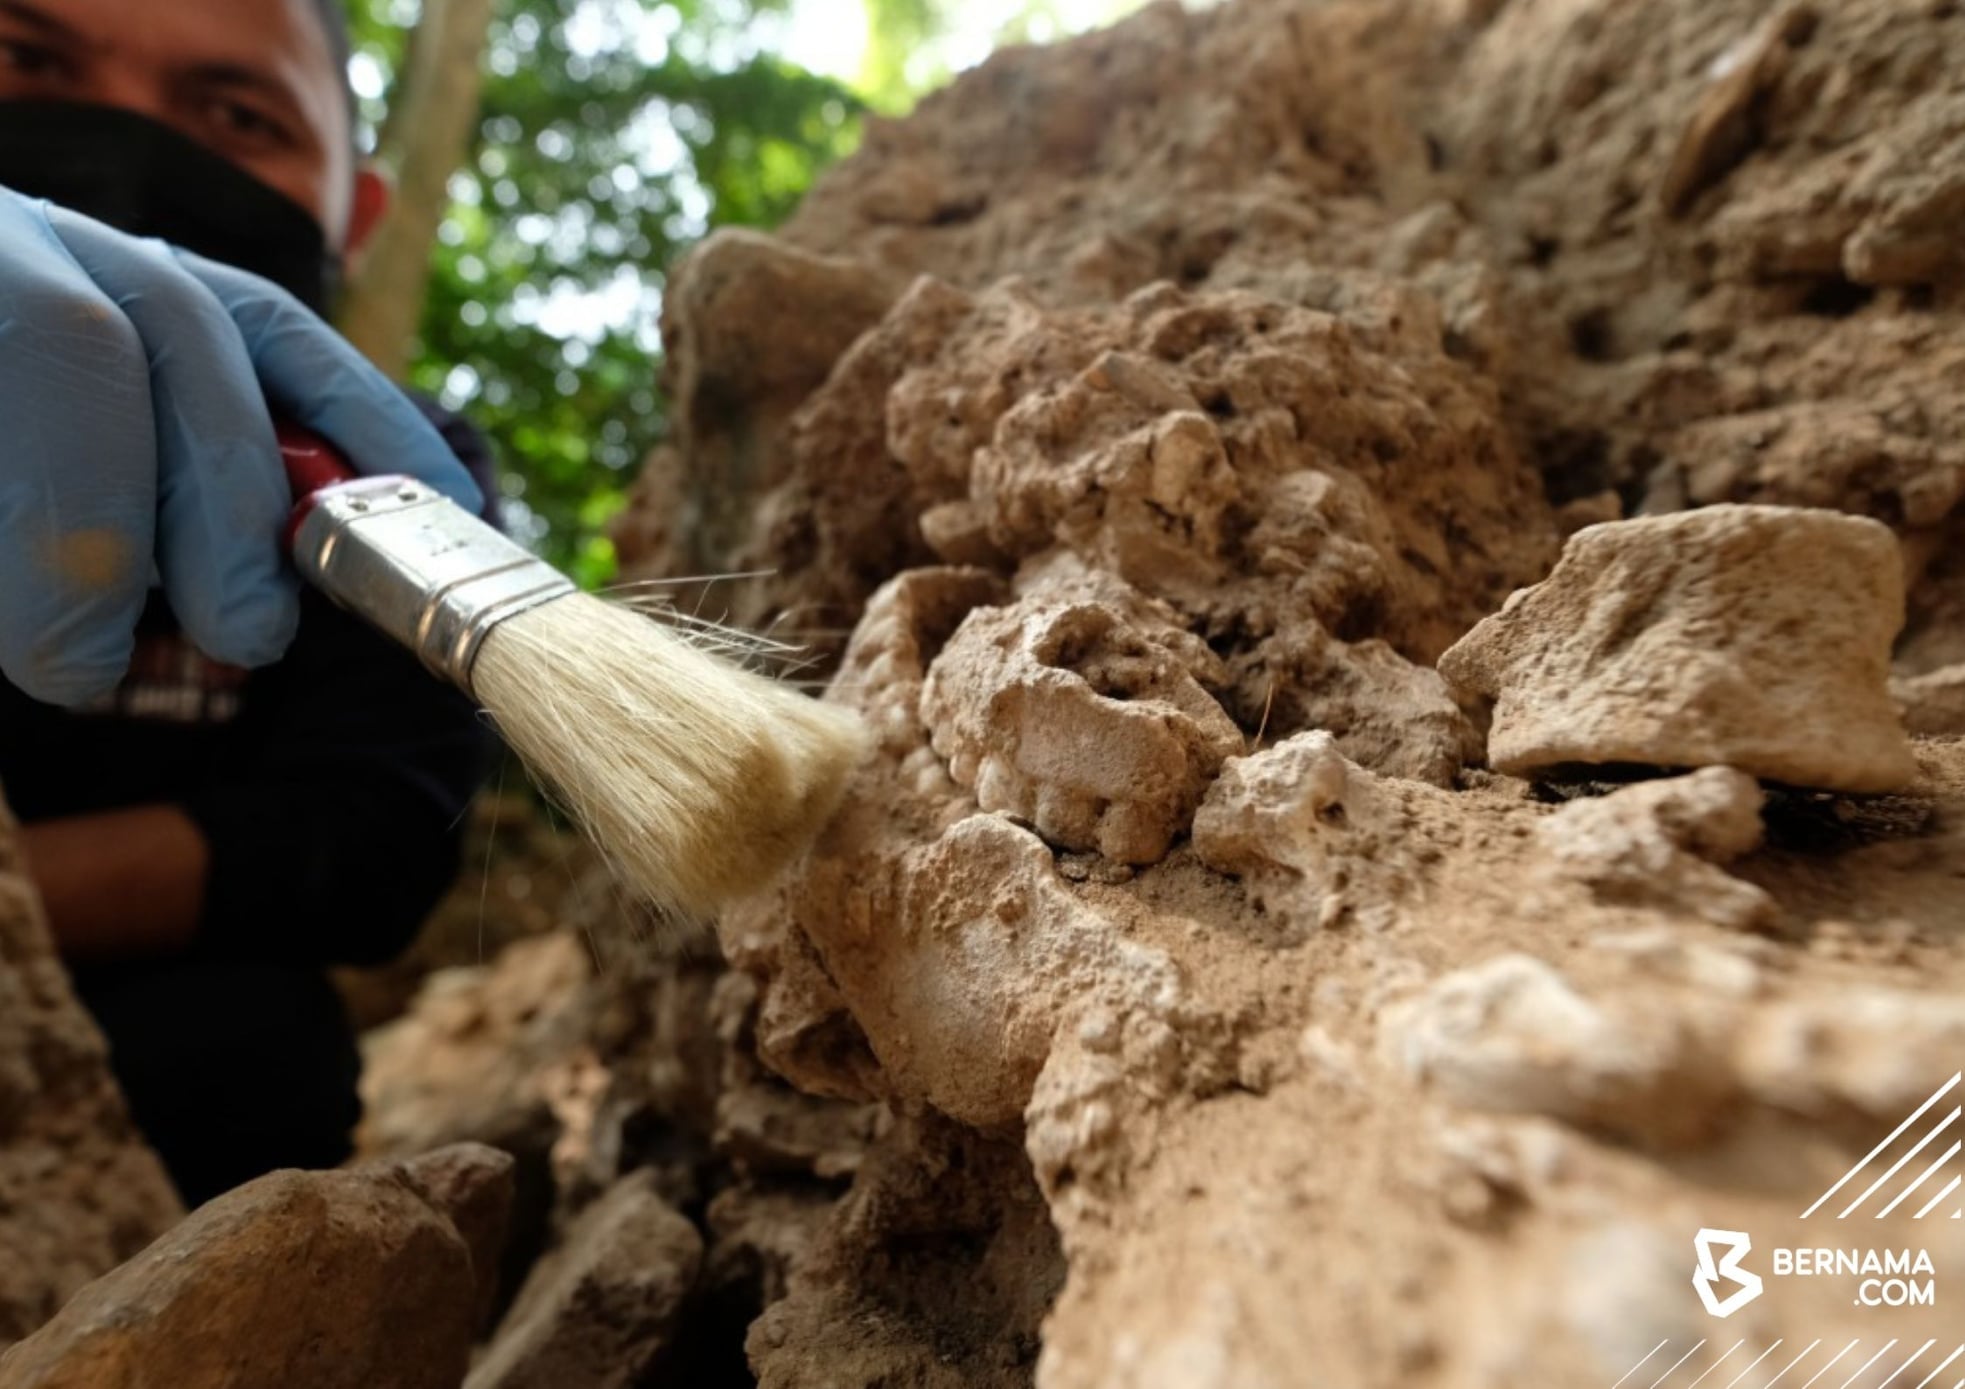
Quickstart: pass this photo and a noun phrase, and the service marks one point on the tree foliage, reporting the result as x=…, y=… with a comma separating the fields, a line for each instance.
x=612, y=133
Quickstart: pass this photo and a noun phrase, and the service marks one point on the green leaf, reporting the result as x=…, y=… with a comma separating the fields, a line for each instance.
x=613, y=133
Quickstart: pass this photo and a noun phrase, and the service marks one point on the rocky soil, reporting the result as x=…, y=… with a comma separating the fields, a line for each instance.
x=1404, y=559
x=79, y=1190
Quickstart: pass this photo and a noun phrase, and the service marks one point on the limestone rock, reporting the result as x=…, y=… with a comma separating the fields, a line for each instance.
x=1385, y=713
x=1932, y=703
x=474, y=1058
x=1265, y=809
x=1720, y=131
x=1064, y=714
x=1513, y=1035
x=1155, y=432
x=496, y=1054
x=1661, y=844
x=934, y=1271
x=991, y=952
x=597, y=1311
x=1751, y=637
x=79, y=1190
x=767, y=1126
x=804, y=1027
x=1252, y=324
x=1289, y=337
x=1879, y=1050
x=473, y=1185
x=1318, y=836
x=755, y=320
x=327, y=1279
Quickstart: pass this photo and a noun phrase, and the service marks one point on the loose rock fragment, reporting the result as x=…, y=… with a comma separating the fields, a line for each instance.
x=1657, y=845
x=1316, y=835
x=1745, y=636
x=1512, y=1035
x=325, y=1279
x=1265, y=809
x=597, y=1310
x=1064, y=713
x=474, y=1185
x=1932, y=703
x=1878, y=1050
x=473, y=1059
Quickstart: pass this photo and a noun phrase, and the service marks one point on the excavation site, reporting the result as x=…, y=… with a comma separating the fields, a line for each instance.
x=1398, y=568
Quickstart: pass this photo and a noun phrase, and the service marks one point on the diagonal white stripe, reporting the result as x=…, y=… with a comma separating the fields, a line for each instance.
x=1926, y=1176
x=1895, y=1134
x=1869, y=1362
x=1675, y=1364
x=1949, y=1188
x=1941, y=1364
x=1908, y=1363
x=1749, y=1370
x=1898, y=1165
x=1792, y=1363
x=1717, y=1363
x=1647, y=1355
x=1825, y=1369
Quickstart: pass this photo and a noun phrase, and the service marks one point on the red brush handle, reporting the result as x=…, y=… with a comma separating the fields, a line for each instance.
x=313, y=466
x=311, y=461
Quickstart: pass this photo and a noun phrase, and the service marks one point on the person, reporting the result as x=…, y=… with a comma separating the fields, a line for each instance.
x=225, y=784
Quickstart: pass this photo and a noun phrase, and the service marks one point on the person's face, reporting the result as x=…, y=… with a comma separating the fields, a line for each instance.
x=252, y=80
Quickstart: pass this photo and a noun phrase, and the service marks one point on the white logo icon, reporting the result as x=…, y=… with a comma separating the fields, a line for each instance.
x=1735, y=1244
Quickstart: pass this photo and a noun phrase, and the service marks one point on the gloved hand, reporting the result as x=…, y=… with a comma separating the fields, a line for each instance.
x=136, y=443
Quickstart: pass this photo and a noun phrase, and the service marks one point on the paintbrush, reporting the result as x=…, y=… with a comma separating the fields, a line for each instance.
x=699, y=779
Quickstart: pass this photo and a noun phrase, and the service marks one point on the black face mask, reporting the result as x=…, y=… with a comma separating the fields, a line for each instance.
x=144, y=178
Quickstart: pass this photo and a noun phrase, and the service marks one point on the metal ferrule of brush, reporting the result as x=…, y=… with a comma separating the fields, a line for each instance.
x=421, y=568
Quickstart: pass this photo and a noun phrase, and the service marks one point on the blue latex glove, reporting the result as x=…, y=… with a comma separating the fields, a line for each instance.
x=136, y=445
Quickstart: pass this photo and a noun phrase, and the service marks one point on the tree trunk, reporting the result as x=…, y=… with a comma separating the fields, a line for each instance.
x=423, y=140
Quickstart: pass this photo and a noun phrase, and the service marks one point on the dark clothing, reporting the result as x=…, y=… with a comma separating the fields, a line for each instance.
x=329, y=786
x=331, y=789
x=233, y=1068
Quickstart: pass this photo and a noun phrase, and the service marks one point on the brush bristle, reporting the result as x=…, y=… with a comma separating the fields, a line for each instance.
x=699, y=779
